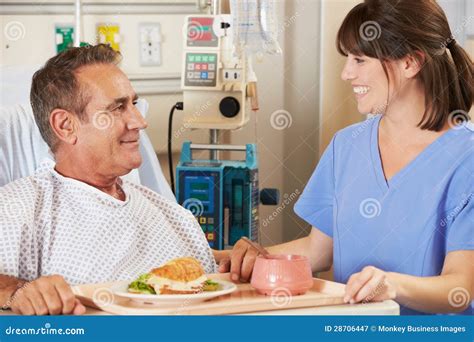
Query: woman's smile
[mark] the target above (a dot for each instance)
(360, 91)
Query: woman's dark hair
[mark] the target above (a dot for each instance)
(392, 29)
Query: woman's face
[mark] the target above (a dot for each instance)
(369, 83)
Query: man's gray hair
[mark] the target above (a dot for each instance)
(55, 85)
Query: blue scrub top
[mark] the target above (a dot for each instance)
(407, 224)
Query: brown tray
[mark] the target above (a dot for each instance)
(244, 300)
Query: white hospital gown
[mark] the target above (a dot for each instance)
(50, 224)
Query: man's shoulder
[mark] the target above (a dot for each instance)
(17, 201)
(28, 186)
(17, 186)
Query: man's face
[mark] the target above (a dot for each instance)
(109, 138)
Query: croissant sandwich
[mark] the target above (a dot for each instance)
(177, 276)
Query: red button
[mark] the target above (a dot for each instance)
(206, 36)
(204, 66)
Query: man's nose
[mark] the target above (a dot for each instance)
(136, 120)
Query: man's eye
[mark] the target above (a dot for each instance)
(135, 102)
(120, 107)
(359, 60)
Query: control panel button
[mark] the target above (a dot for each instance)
(210, 236)
(204, 67)
(229, 107)
(210, 220)
(202, 220)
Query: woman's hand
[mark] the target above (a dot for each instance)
(369, 285)
(317, 246)
(239, 262)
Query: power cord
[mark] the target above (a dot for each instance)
(179, 106)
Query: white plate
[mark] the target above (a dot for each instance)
(120, 290)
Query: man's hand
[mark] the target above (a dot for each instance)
(369, 285)
(46, 295)
(240, 263)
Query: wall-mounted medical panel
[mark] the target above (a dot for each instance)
(148, 34)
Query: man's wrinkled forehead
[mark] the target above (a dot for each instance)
(104, 83)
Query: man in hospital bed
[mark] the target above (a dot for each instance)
(76, 221)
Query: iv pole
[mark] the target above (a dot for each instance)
(214, 133)
(77, 23)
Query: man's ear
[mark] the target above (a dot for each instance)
(64, 125)
(412, 64)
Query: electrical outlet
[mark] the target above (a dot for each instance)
(150, 44)
(109, 34)
(232, 75)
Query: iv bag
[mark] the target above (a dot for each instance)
(255, 26)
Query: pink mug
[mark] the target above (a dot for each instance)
(277, 271)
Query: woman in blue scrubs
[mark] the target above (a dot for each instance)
(391, 201)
